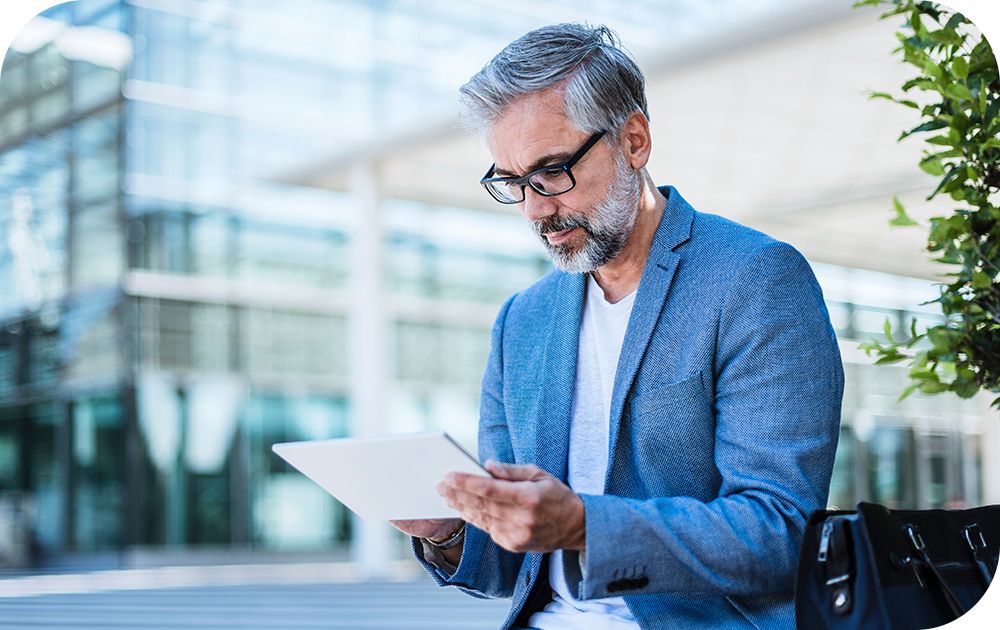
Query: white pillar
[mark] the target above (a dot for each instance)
(368, 350)
(990, 450)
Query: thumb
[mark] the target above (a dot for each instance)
(514, 472)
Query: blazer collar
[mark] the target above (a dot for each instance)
(558, 376)
(661, 264)
(675, 224)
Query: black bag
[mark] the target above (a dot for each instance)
(894, 569)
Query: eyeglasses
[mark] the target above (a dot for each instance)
(551, 180)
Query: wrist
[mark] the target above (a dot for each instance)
(449, 540)
(577, 536)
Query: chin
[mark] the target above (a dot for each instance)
(572, 264)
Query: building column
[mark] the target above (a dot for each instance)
(990, 451)
(368, 351)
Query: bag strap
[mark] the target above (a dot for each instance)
(949, 596)
(977, 544)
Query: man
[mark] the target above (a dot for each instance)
(661, 412)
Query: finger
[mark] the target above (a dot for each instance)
(515, 472)
(481, 520)
(500, 513)
(495, 490)
(474, 502)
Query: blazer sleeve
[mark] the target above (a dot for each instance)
(778, 390)
(486, 569)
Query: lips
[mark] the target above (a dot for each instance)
(555, 238)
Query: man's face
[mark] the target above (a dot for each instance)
(588, 226)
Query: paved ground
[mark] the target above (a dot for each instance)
(238, 597)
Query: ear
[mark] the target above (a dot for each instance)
(635, 140)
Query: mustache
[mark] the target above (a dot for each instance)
(560, 224)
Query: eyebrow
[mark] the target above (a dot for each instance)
(545, 160)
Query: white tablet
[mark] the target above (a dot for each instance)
(386, 478)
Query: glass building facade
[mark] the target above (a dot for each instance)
(168, 311)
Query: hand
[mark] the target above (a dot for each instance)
(523, 509)
(436, 528)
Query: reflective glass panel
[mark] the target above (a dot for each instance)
(98, 472)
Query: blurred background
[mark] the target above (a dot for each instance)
(230, 223)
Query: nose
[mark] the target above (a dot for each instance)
(537, 207)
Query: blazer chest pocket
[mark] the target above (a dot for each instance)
(687, 393)
(671, 437)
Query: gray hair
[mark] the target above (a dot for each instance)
(601, 85)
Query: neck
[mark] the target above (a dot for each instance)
(621, 276)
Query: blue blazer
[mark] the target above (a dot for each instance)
(725, 417)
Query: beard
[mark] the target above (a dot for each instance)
(607, 230)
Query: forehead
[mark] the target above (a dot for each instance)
(533, 126)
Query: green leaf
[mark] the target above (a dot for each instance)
(981, 280)
(955, 20)
(948, 179)
(960, 68)
(933, 387)
(951, 153)
(900, 220)
(923, 83)
(958, 91)
(940, 140)
(933, 70)
(932, 166)
(888, 329)
(906, 392)
(899, 9)
(930, 125)
(965, 389)
(917, 25)
(942, 337)
(891, 358)
(945, 36)
(948, 369)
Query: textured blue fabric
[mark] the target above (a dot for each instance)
(725, 420)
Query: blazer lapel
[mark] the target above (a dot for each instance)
(554, 414)
(661, 265)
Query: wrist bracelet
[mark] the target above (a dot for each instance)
(452, 541)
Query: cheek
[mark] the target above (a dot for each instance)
(577, 203)
(595, 180)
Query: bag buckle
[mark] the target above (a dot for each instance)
(915, 537)
(918, 544)
(974, 531)
(838, 579)
(824, 541)
(834, 557)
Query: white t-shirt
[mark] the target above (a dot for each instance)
(601, 335)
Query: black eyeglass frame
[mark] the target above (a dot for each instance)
(525, 180)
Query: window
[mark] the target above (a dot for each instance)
(890, 467)
(96, 164)
(98, 250)
(289, 511)
(98, 479)
(842, 491)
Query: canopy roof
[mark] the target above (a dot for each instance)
(767, 123)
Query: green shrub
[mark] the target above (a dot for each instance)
(960, 127)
